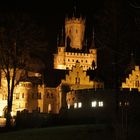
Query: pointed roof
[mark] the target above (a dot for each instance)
(86, 45)
(57, 40)
(62, 38)
(74, 9)
(92, 41)
(76, 13)
(131, 65)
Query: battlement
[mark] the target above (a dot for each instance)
(78, 54)
(75, 20)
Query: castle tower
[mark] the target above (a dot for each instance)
(59, 58)
(74, 31)
(71, 49)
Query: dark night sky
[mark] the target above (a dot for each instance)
(99, 13)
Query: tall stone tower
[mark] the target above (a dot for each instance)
(74, 31)
(71, 47)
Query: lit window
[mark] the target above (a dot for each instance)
(126, 103)
(120, 103)
(75, 105)
(79, 105)
(68, 106)
(100, 104)
(49, 108)
(93, 104)
(17, 95)
(22, 95)
(1, 113)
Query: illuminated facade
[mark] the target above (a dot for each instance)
(133, 80)
(33, 95)
(71, 50)
(78, 79)
(30, 94)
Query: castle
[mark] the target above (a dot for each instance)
(31, 94)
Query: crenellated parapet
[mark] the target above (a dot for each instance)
(78, 54)
(72, 20)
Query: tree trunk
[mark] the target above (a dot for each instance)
(9, 103)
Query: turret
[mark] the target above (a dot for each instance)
(93, 51)
(74, 31)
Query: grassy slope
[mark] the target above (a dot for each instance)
(74, 132)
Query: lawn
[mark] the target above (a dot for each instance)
(71, 132)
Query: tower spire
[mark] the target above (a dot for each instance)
(75, 9)
(62, 38)
(131, 64)
(92, 42)
(57, 39)
(132, 60)
(86, 45)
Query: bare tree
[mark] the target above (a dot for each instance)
(17, 36)
(10, 59)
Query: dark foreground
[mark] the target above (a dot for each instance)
(74, 132)
(70, 132)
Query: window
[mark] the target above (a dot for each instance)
(22, 95)
(93, 104)
(49, 108)
(38, 109)
(51, 95)
(1, 113)
(75, 105)
(100, 104)
(126, 103)
(68, 106)
(79, 105)
(137, 83)
(120, 103)
(17, 95)
(77, 79)
(39, 95)
(59, 49)
(47, 95)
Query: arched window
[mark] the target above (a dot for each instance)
(49, 108)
